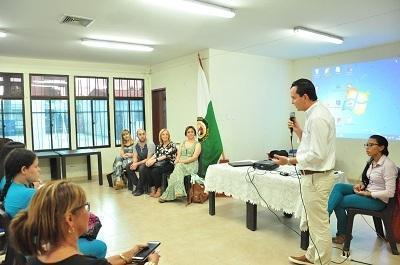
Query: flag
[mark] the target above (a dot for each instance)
(207, 128)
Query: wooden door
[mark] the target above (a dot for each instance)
(159, 110)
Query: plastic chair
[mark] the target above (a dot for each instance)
(386, 215)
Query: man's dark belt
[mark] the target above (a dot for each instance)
(310, 172)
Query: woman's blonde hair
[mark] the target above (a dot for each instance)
(161, 132)
(42, 226)
(125, 131)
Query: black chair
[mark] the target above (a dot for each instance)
(12, 256)
(164, 182)
(386, 215)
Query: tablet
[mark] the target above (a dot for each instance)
(144, 253)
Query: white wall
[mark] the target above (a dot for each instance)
(350, 153)
(179, 78)
(250, 97)
(251, 100)
(76, 166)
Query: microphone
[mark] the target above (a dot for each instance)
(292, 117)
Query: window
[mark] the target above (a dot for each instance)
(91, 104)
(129, 106)
(50, 112)
(12, 122)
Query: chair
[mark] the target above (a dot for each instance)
(12, 256)
(164, 182)
(386, 215)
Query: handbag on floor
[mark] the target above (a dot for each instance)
(197, 194)
(119, 183)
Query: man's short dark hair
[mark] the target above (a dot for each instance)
(305, 86)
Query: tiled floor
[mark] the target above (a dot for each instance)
(190, 236)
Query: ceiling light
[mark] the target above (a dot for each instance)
(318, 35)
(117, 45)
(3, 34)
(198, 7)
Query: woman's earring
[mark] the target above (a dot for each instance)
(71, 230)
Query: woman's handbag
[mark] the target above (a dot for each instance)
(94, 226)
(197, 194)
(161, 163)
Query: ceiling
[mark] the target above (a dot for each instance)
(260, 27)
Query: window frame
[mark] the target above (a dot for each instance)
(50, 98)
(91, 99)
(133, 134)
(14, 98)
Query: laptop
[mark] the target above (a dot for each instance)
(245, 163)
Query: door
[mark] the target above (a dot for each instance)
(159, 110)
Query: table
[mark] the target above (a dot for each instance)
(54, 158)
(279, 192)
(82, 152)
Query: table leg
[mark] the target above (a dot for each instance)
(100, 168)
(89, 167)
(55, 170)
(211, 202)
(64, 167)
(304, 239)
(251, 216)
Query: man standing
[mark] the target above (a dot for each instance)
(143, 150)
(315, 160)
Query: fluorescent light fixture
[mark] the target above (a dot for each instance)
(117, 45)
(198, 7)
(3, 34)
(318, 35)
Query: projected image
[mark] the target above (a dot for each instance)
(363, 97)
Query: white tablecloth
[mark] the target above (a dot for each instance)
(280, 192)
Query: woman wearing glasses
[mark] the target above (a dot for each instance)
(372, 193)
(48, 231)
(21, 169)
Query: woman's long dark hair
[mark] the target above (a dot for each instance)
(6, 146)
(382, 141)
(15, 161)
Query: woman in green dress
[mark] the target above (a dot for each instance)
(186, 163)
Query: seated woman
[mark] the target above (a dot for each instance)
(162, 162)
(186, 163)
(373, 193)
(123, 159)
(49, 230)
(22, 169)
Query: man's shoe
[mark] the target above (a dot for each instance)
(339, 239)
(300, 260)
(138, 193)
